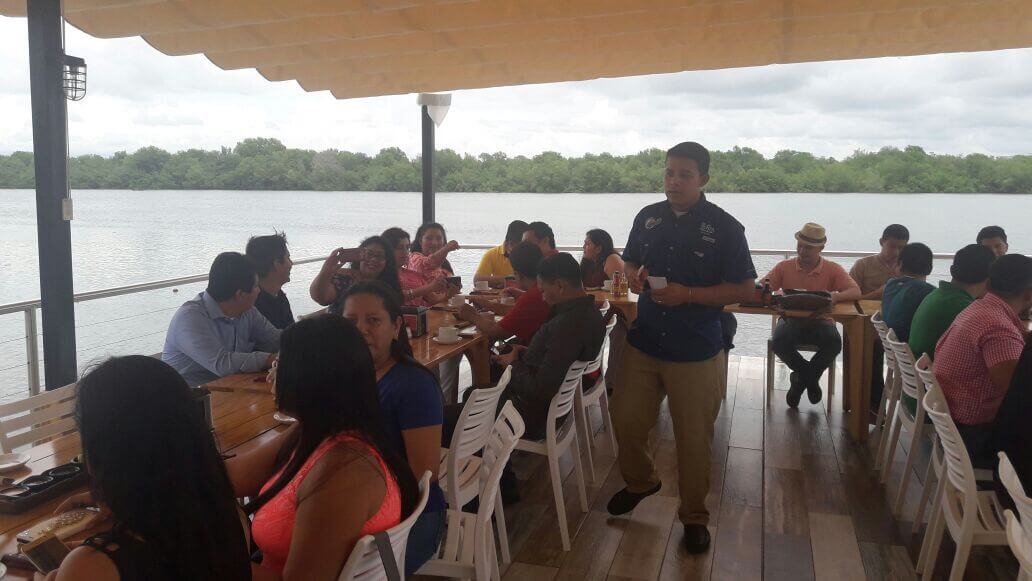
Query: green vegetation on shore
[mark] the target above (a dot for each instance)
(266, 164)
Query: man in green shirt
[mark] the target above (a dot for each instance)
(970, 271)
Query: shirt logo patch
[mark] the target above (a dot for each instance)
(710, 240)
(707, 229)
(652, 223)
(700, 254)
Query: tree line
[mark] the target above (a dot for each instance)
(266, 164)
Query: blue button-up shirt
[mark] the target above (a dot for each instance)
(203, 344)
(704, 247)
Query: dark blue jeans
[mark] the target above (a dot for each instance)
(790, 333)
(424, 538)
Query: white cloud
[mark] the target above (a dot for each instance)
(956, 103)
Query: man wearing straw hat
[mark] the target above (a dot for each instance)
(695, 259)
(809, 271)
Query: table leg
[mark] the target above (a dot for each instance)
(857, 377)
(480, 363)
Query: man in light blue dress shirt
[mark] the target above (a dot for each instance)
(219, 332)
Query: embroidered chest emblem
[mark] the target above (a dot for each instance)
(652, 223)
(706, 229)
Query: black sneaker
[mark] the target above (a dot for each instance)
(795, 391)
(624, 501)
(696, 539)
(813, 391)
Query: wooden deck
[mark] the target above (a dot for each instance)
(792, 497)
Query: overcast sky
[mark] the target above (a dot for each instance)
(959, 103)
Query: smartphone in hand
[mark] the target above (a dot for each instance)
(352, 254)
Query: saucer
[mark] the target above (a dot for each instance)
(439, 341)
(283, 418)
(13, 461)
(468, 332)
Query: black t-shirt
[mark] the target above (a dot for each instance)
(275, 308)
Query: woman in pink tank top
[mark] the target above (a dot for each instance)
(331, 478)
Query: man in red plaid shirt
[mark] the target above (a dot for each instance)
(976, 357)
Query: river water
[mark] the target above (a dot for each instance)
(125, 237)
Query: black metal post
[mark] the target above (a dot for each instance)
(428, 166)
(50, 148)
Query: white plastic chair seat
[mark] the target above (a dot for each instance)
(455, 558)
(564, 436)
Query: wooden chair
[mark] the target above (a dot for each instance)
(560, 439)
(461, 468)
(595, 395)
(365, 564)
(971, 517)
(468, 550)
(1020, 545)
(890, 394)
(937, 461)
(35, 419)
(914, 423)
(803, 349)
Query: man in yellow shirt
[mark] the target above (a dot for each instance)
(494, 266)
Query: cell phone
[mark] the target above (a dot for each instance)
(455, 281)
(46, 553)
(352, 254)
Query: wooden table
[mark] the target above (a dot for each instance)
(628, 303)
(241, 421)
(855, 318)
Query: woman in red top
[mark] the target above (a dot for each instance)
(416, 288)
(332, 478)
(600, 260)
(430, 250)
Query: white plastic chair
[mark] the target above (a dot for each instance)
(460, 473)
(972, 517)
(802, 349)
(1020, 545)
(31, 420)
(560, 439)
(364, 563)
(604, 309)
(890, 394)
(595, 395)
(469, 550)
(936, 462)
(1017, 492)
(911, 385)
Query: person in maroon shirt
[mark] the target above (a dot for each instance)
(522, 319)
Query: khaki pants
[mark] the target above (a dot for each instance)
(694, 392)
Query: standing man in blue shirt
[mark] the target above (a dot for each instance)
(219, 332)
(675, 347)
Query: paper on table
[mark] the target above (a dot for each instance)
(657, 282)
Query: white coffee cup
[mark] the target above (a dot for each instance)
(508, 300)
(607, 284)
(481, 285)
(457, 301)
(447, 334)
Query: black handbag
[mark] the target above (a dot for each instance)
(804, 300)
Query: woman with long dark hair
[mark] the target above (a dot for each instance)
(155, 470)
(377, 263)
(430, 250)
(410, 402)
(416, 288)
(600, 259)
(333, 477)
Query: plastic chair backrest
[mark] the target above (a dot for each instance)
(883, 335)
(507, 431)
(960, 473)
(1010, 480)
(596, 363)
(910, 383)
(471, 432)
(364, 563)
(28, 421)
(604, 309)
(562, 402)
(1019, 541)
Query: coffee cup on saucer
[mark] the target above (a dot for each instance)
(482, 285)
(457, 301)
(448, 334)
(607, 284)
(508, 300)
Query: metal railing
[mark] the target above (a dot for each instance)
(29, 308)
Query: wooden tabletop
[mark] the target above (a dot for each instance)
(623, 300)
(241, 421)
(840, 310)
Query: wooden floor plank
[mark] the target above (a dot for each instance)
(678, 564)
(836, 554)
(525, 572)
(592, 553)
(787, 557)
(743, 477)
(781, 447)
(644, 542)
(738, 545)
(784, 502)
(747, 428)
(749, 394)
(822, 485)
(889, 562)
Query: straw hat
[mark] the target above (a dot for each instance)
(811, 235)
